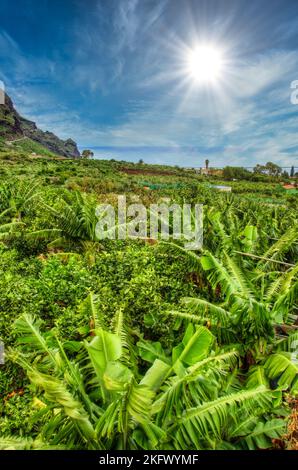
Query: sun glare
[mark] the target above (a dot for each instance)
(205, 63)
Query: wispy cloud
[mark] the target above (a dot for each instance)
(114, 81)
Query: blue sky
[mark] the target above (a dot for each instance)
(111, 74)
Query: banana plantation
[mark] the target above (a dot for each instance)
(141, 344)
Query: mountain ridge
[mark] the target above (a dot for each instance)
(13, 127)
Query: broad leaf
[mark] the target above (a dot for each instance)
(104, 348)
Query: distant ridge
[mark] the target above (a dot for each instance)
(13, 127)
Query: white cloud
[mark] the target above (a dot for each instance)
(248, 115)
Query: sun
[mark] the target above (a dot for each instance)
(205, 63)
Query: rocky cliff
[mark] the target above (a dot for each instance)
(14, 126)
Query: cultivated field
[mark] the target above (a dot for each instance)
(129, 344)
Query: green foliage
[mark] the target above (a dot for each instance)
(30, 146)
(246, 313)
(120, 344)
(92, 400)
(270, 168)
(231, 172)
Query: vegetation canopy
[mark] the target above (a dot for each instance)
(138, 344)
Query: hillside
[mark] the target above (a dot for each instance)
(14, 127)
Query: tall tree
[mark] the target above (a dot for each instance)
(230, 172)
(87, 154)
(207, 163)
(273, 169)
(292, 171)
(259, 169)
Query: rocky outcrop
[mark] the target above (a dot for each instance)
(10, 121)
(14, 126)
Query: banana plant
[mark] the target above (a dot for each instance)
(246, 307)
(17, 199)
(91, 398)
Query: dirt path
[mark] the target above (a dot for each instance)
(10, 142)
